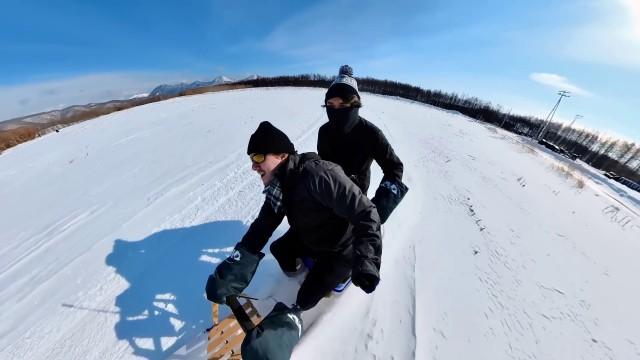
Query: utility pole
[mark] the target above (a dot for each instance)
(547, 121)
(570, 127)
(504, 118)
(578, 116)
(570, 133)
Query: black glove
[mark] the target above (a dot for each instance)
(365, 275)
(233, 275)
(388, 196)
(275, 337)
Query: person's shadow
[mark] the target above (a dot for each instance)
(164, 305)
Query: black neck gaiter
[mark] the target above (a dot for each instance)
(343, 120)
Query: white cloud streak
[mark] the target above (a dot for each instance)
(614, 39)
(633, 9)
(331, 30)
(559, 82)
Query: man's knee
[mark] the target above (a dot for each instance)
(276, 247)
(306, 300)
(320, 281)
(284, 252)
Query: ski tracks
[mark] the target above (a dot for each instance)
(236, 193)
(43, 240)
(393, 308)
(395, 301)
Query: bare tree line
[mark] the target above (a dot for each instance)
(602, 152)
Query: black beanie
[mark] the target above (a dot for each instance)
(343, 91)
(269, 140)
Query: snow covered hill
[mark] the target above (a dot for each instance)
(175, 89)
(109, 229)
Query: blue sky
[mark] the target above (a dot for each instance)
(513, 53)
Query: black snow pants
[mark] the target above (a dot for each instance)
(329, 269)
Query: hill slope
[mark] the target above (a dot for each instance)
(111, 227)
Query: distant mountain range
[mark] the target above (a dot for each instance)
(175, 89)
(43, 119)
(17, 130)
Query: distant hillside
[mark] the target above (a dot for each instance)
(176, 89)
(25, 128)
(602, 152)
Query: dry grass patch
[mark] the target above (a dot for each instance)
(213, 88)
(570, 174)
(13, 137)
(524, 148)
(79, 113)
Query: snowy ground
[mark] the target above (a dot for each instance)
(110, 228)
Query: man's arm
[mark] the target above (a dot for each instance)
(261, 229)
(333, 189)
(391, 189)
(234, 274)
(386, 158)
(323, 145)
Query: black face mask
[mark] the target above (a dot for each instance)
(343, 120)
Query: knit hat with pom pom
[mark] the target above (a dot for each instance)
(344, 86)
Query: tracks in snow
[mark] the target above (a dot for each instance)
(229, 189)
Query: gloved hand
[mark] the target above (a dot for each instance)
(275, 337)
(387, 197)
(365, 275)
(233, 275)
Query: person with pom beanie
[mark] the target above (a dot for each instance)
(354, 143)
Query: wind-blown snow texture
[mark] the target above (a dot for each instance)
(110, 228)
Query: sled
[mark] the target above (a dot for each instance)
(225, 337)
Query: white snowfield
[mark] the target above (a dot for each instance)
(110, 228)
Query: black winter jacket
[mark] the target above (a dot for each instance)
(354, 147)
(320, 202)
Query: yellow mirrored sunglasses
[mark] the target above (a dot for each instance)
(257, 158)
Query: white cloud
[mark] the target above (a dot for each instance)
(25, 99)
(613, 39)
(633, 9)
(559, 82)
(331, 31)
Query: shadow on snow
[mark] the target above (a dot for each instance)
(165, 306)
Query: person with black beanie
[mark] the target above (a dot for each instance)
(268, 147)
(321, 203)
